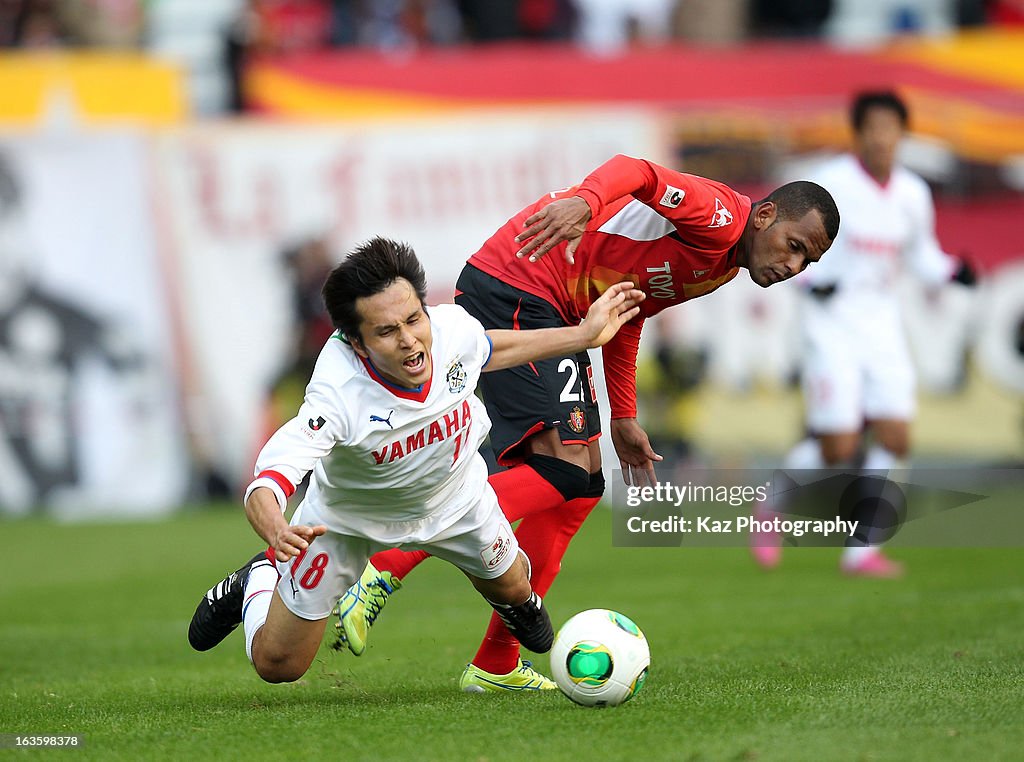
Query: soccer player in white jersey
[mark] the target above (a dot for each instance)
(390, 428)
(856, 368)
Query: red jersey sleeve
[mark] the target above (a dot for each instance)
(702, 210)
(619, 357)
(618, 177)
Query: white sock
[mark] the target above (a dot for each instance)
(853, 555)
(259, 591)
(806, 455)
(878, 458)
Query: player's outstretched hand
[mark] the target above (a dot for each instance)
(616, 307)
(561, 220)
(636, 457)
(290, 541)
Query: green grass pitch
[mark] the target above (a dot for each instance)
(795, 664)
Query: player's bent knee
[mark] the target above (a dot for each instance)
(570, 480)
(280, 665)
(282, 671)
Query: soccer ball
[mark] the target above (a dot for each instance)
(600, 658)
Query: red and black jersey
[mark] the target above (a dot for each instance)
(671, 233)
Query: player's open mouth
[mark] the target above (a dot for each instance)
(416, 363)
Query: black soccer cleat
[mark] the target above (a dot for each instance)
(220, 610)
(529, 623)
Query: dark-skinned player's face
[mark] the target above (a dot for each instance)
(782, 248)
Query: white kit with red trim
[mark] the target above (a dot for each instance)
(389, 464)
(856, 364)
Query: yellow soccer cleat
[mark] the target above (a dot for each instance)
(523, 678)
(359, 608)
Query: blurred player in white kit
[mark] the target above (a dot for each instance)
(390, 428)
(857, 373)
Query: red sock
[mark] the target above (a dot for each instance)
(397, 561)
(570, 518)
(499, 651)
(544, 537)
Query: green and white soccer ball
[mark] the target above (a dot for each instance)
(600, 658)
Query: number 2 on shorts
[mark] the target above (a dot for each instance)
(570, 391)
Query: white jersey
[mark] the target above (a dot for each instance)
(883, 228)
(856, 364)
(388, 463)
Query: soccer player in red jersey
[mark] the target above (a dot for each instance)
(677, 237)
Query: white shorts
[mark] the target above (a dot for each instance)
(480, 542)
(856, 367)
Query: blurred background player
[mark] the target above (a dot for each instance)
(677, 237)
(857, 373)
(393, 447)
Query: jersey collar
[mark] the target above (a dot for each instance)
(419, 394)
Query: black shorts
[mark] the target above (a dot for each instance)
(554, 393)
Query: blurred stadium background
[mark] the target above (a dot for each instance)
(175, 174)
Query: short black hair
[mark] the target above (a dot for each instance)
(794, 200)
(884, 99)
(368, 269)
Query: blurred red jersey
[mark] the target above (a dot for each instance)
(673, 234)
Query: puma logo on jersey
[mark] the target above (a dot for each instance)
(378, 419)
(721, 216)
(672, 197)
(700, 273)
(451, 424)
